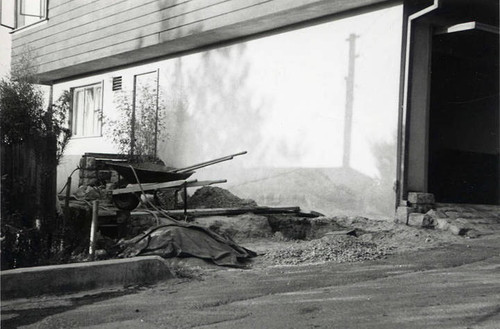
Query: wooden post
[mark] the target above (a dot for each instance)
(66, 203)
(185, 196)
(93, 228)
(67, 212)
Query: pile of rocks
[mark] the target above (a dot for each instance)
(421, 211)
(331, 248)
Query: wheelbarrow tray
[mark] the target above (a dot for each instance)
(148, 172)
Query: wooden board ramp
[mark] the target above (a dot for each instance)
(147, 187)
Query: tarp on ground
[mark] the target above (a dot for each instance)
(179, 239)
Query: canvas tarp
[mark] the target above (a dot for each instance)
(180, 239)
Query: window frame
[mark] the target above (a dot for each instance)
(73, 110)
(44, 9)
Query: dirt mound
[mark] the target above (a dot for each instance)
(238, 227)
(216, 197)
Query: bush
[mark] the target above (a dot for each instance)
(148, 127)
(22, 112)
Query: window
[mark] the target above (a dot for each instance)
(87, 111)
(30, 11)
(16, 14)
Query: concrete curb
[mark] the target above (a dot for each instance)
(69, 278)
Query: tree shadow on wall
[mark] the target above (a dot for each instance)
(210, 101)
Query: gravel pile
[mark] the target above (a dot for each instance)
(339, 249)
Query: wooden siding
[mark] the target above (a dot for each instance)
(85, 36)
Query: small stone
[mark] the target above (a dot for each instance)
(420, 198)
(436, 214)
(472, 234)
(457, 230)
(420, 220)
(90, 163)
(101, 253)
(442, 224)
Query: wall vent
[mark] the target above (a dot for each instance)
(117, 83)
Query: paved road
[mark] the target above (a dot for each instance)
(450, 287)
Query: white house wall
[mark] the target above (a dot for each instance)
(282, 98)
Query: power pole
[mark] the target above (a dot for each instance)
(349, 100)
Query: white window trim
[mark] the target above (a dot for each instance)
(30, 26)
(42, 19)
(72, 90)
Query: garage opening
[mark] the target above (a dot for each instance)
(464, 138)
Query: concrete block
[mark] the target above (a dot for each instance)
(420, 198)
(420, 220)
(69, 278)
(402, 214)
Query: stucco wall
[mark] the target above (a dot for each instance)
(282, 98)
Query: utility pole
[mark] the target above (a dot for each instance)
(349, 100)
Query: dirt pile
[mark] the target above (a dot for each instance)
(238, 227)
(216, 197)
(331, 248)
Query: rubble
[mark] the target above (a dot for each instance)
(331, 248)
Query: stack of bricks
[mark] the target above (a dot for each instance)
(414, 213)
(95, 173)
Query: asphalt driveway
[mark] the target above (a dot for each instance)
(452, 286)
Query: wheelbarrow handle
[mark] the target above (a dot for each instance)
(208, 163)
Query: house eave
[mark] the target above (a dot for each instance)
(172, 43)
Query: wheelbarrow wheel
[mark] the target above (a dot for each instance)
(127, 201)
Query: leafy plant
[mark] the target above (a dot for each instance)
(59, 122)
(147, 128)
(22, 112)
(21, 104)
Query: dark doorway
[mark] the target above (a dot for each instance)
(464, 137)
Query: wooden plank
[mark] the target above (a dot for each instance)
(175, 184)
(149, 187)
(226, 211)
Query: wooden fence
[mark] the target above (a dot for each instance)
(29, 182)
